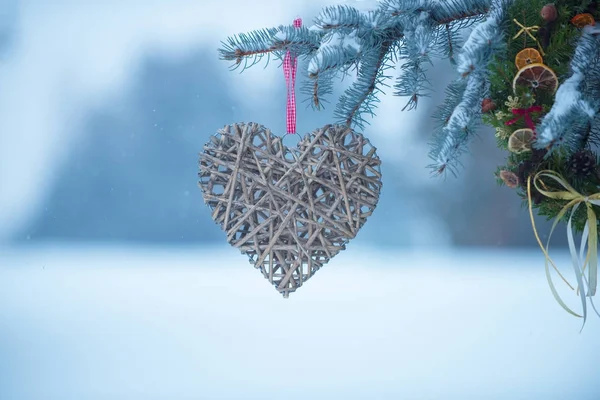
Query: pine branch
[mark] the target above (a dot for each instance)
(399, 8)
(452, 141)
(317, 88)
(442, 12)
(360, 97)
(419, 36)
(594, 134)
(257, 44)
(566, 124)
(454, 95)
(343, 37)
(483, 42)
(339, 17)
(448, 41)
(460, 10)
(337, 52)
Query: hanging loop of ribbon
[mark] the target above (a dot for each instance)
(290, 65)
(525, 113)
(589, 238)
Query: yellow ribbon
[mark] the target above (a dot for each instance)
(589, 238)
(529, 30)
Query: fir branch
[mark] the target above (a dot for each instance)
(448, 41)
(443, 12)
(341, 33)
(443, 114)
(448, 36)
(594, 133)
(483, 42)
(254, 44)
(573, 109)
(400, 8)
(454, 93)
(461, 126)
(360, 97)
(417, 30)
(317, 88)
(337, 18)
(257, 44)
(412, 83)
(337, 51)
(460, 10)
(419, 36)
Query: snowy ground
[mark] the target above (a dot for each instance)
(142, 323)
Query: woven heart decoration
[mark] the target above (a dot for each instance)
(289, 209)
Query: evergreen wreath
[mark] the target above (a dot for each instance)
(529, 69)
(544, 100)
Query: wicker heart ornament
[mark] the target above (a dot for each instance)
(289, 209)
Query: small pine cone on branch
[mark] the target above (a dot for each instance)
(526, 169)
(582, 164)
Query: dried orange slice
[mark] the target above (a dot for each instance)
(581, 20)
(520, 140)
(536, 76)
(528, 56)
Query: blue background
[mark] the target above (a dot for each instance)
(116, 284)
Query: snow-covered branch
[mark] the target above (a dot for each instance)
(342, 37)
(473, 60)
(577, 99)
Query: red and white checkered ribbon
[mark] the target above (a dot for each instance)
(290, 64)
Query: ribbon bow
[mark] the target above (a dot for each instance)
(528, 30)
(589, 238)
(524, 113)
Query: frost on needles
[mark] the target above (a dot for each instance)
(410, 33)
(577, 99)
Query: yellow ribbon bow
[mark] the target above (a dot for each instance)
(528, 30)
(589, 238)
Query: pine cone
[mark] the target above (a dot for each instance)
(543, 35)
(509, 178)
(582, 164)
(525, 169)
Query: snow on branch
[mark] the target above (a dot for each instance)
(477, 52)
(576, 103)
(419, 37)
(336, 50)
(343, 37)
(361, 96)
(410, 32)
(459, 10)
(338, 17)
